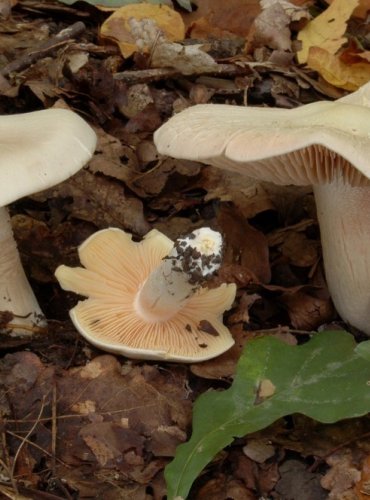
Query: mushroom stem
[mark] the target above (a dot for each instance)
(16, 294)
(193, 260)
(344, 217)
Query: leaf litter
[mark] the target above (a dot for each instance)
(76, 423)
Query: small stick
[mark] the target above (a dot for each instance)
(24, 440)
(45, 49)
(154, 74)
(54, 428)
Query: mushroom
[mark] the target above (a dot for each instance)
(37, 151)
(145, 299)
(324, 144)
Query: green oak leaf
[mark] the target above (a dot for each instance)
(363, 349)
(325, 379)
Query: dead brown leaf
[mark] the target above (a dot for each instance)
(217, 18)
(224, 487)
(332, 69)
(342, 475)
(113, 158)
(99, 200)
(300, 250)
(244, 245)
(272, 28)
(307, 311)
(297, 481)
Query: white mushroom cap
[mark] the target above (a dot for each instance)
(115, 270)
(277, 145)
(361, 97)
(41, 149)
(37, 151)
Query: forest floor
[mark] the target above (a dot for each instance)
(76, 422)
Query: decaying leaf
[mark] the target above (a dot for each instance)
(342, 475)
(112, 158)
(308, 311)
(187, 59)
(137, 28)
(272, 27)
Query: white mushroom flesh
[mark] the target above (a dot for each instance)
(193, 259)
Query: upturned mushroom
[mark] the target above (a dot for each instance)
(37, 151)
(145, 299)
(326, 144)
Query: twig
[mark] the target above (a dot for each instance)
(34, 445)
(5, 464)
(27, 436)
(45, 49)
(153, 74)
(9, 493)
(146, 75)
(319, 460)
(54, 428)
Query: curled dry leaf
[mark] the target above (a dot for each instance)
(333, 70)
(307, 312)
(272, 27)
(187, 59)
(138, 97)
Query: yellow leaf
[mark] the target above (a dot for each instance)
(326, 30)
(361, 11)
(137, 27)
(336, 72)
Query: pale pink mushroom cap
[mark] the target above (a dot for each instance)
(114, 270)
